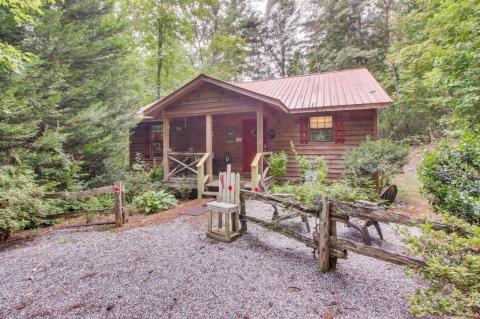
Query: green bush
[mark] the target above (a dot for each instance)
(19, 207)
(373, 163)
(319, 168)
(451, 177)
(154, 201)
(278, 164)
(452, 270)
(309, 194)
(141, 179)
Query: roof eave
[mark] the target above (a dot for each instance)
(199, 80)
(342, 108)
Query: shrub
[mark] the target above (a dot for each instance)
(452, 270)
(309, 194)
(19, 207)
(319, 168)
(141, 179)
(154, 201)
(373, 163)
(278, 164)
(451, 177)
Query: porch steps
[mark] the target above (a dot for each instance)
(210, 194)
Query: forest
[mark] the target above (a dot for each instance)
(74, 73)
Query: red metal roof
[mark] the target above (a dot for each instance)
(348, 88)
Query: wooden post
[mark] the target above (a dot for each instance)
(200, 179)
(166, 146)
(243, 214)
(124, 205)
(117, 189)
(324, 237)
(333, 233)
(260, 140)
(209, 144)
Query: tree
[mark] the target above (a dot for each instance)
(280, 34)
(13, 15)
(160, 28)
(74, 105)
(437, 50)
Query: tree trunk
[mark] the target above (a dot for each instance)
(159, 58)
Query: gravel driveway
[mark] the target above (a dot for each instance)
(172, 270)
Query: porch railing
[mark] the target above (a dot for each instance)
(260, 171)
(183, 164)
(202, 179)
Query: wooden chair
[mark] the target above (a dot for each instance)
(226, 227)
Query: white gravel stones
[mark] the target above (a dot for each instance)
(173, 271)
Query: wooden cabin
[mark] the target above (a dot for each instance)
(208, 123)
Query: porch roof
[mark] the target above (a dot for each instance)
(328, 91)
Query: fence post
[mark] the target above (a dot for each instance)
(124, 205)
(117, 191)
(324, 237)
(243, 214)
(333, 233)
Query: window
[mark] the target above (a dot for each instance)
(321, 129)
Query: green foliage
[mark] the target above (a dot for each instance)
(373, 163)
(154, 201)
(278, 164)
(309, 194)
(140, 179)
(451, 177)
(437, 55)
(19, 208)
(452, 270)
(319, 167)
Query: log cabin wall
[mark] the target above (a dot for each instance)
(230, 109)
(358, 125)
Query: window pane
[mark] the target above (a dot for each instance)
(321, 135)
(317, 122)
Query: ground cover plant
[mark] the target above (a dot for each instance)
(154, 201)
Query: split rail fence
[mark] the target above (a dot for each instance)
(325, 239)
(120, 210)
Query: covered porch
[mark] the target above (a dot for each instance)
(197, 148)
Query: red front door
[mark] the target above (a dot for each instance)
(249, 141)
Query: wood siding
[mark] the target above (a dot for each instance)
(229, 109)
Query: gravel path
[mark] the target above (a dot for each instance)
(172, 270)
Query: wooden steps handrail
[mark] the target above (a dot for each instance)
(203, 159)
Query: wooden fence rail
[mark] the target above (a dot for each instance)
(325, 236)
(120, 210)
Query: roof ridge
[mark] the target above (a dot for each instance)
(299, 76)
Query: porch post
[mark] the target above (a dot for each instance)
(166, 146)
(260, 131)
(260, 139)
(209, 145)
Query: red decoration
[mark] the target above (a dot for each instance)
(116, 189)
(339, 128)
(304, 130)
(230, 187)
(257, 189)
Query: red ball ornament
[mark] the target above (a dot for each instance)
(257, 189)
(116, 189)
(230, 187)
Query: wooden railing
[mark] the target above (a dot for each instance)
(325, 239)
(260, 169)
(120, 209)
(202, 179)
(183, 164)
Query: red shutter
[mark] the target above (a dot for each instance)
(148, 142)
(339, 128)
(304, 130)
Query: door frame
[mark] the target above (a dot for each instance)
(246, 165)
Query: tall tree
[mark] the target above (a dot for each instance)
(348, 33)
(159, 28)
(76, 101)
(280, 32)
